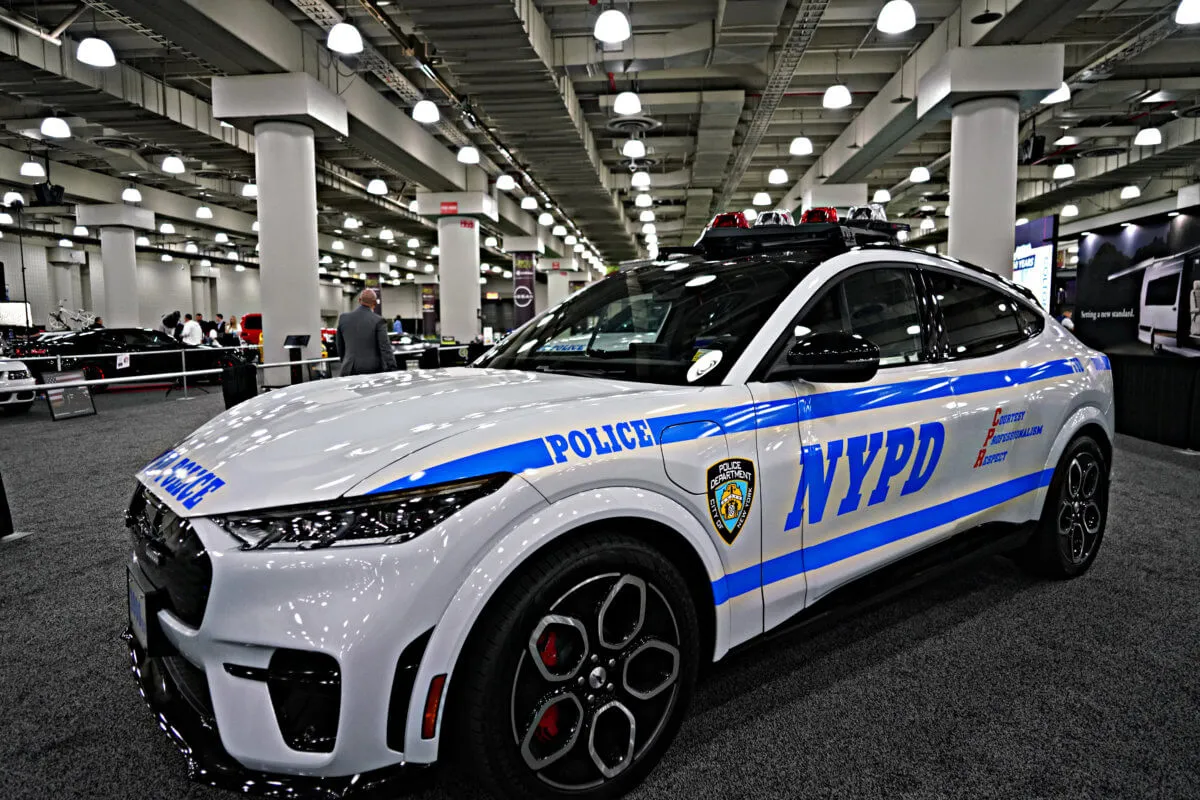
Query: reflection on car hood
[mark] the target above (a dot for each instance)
(317, 440)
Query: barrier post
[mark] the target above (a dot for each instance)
(6, 523)
(58, 363)
(183, 360)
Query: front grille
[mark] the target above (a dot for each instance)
(171, 556)
(192, 684)
(16, 374)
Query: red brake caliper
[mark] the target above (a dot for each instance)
(547, 727)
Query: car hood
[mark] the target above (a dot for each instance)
(316, 441)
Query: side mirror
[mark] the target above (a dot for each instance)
(834, 357)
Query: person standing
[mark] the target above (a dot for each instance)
(397, 325)
(192, 334)
(362, 340)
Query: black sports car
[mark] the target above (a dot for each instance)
(121, 352)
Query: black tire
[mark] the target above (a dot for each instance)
(1071, 527)
(502, 700)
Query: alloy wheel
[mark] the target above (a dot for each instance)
(1080, 515)
(597, 680)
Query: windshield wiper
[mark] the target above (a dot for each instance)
(579, 373)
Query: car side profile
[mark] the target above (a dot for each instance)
(522, 565)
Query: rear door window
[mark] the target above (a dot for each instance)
(979, 320)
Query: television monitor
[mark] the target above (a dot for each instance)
(1033, 259)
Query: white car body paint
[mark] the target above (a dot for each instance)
(16, 391)
(648, 448)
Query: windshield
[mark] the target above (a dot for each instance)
(679, 323)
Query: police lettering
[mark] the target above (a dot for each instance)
(895, 450)
(182, 478)
(600, 441)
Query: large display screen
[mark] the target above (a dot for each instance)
(1033, 260)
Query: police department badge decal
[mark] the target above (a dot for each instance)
(730, 495)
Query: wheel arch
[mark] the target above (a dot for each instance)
(653, 518)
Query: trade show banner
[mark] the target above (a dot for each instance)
(1033, 260)
(523, 277)
(429, 296)
(1138, 287)
(74, 401)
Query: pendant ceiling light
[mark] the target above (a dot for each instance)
(612, 27)
(173, 165)
(529, 203)
(649, 227)
(1070, 210)
(13, 199)
(391, 259)
(646, 216)
(468, 155)
(131, 194)
(643, 201)
(777, 176)
(411, 263)
(351, 223)
(368, 252)
(801, 146)
(250, 190)
(506, 183)
(204, 212)
(412, 244)
(1188, 12)
(1064, 172)
(33, 169)
(762, 199)
(414, 205)
(640, 179)
(750, 214)
(191, 248)
(254, 226)
(897, 16)
(577, 248)
(1060, 95)
(386, 235)
(545, 219)
(79, 230)
(338, 244)
(1131, 192)
(927, 224)
(571, 239)
(1022, 221)
(56, 128)
(429, 267)
(167, 257)
(426, 112)
(344, 38)
(634, 148)
(559, 230)
(95, 53)
(882, 196)
(836, 96)
(1148, 137)
(492, 241)
(627, 104)
(142, 241)
(376, 186)
(166, 227)
(919, 175)
(435, 251)
(221, 238)
(987, 16)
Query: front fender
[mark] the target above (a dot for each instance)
(514, 549)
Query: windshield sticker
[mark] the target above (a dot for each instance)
(730, 495)
(562, 347)
(704, 365)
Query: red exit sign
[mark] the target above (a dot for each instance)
(449, 207)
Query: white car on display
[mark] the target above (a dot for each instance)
(523, 564)
(18, 387)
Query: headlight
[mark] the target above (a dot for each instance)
(382, 519)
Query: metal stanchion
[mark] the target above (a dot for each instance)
(183, 360)
(6, 523)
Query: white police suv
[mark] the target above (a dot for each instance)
(523, 564)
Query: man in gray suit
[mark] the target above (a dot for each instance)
(362, 339)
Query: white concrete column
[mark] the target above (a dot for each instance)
(558, 287)
(983, 181)
(285, 168)
(458, 273)
(119, 257)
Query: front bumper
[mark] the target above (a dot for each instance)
(15, 392)
(177, 694)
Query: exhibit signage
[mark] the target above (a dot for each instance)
(73, 401)
(429, 296)
(523, 278)
(1033, 260)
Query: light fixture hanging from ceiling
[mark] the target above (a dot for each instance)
(1131, 192)
(56, 128)
(506, 183)
(204, 212)
(491, 241)
(32, 169)
(1060, 95)
(173, 165)
(467, 154)
(131, 194)
(223, 238)
(627, 104)
(386, 235)
(634, 148)
(640, 179)
(800, 146)
(761, 199)
(142, 241)
(14, 199)
(426, 112)
(987, 16)
(412, 244)
(836, 96)
(777, 176)
(254, 226)
(1148, 137)
(571, 239)
(646, 216)
(414, 205)
(376, 186)
(80, 230)
(919, 175)
(612, 27)
(882, 196)
(1188, 12)
(750, 214)
(897, 16)
(927, 224)
(1063, 172)
(545, 219)
(643, 201)
(343, 37)
(1070, 210)
(250, 190)
(166, 228)
(649, 227)
(94, 51)
(559, 230)
(529, 203)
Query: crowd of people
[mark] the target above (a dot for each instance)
(194, 329)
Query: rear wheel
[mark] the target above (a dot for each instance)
(94, 373)
(1071, 529)
(578, 675)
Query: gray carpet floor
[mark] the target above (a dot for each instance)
(983, 684)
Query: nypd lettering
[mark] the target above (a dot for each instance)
(993, 438)
(730, 495)
(897, 449)
(600, 441)
(182, 478)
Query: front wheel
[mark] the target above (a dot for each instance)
(578, 675)
(1071, 529)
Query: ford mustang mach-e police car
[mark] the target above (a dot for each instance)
(522, 564)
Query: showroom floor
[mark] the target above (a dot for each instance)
(986, 684)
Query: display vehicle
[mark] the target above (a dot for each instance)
(522, 565)
(17, 387)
